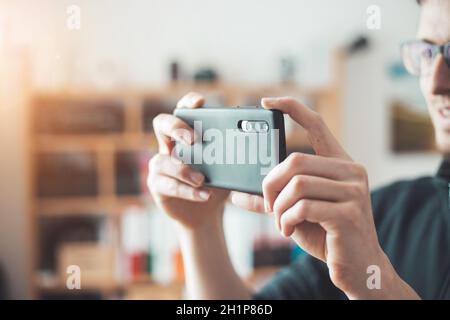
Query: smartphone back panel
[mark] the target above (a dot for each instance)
(236, 147)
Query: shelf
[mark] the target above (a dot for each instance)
(144, 289)
(72, 205)
(152, 291)
(53, 284)
(106, 142)
(57, 206)
(122, 142)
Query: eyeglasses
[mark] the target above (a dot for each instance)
(418, 56)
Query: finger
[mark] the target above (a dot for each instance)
(247, 201)
(191, 100)
(171, 187)
(169, 129)
(305, 187)
(314, 211)
(314, 165)
(310, 187)
(311, 165)
(162, 164)
(320, 137)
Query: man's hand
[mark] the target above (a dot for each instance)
(323, 202)
(176, 187)
(198, 210)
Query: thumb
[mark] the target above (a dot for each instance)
(319, 135)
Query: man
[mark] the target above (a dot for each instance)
(323, 203)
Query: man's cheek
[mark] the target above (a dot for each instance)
(425, 87)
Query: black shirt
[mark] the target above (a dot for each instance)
(413, 225)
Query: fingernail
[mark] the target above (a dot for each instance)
(196, 177)
(204, 194)
(267, 100)
(194, 100)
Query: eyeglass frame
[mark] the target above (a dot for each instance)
(443, 49)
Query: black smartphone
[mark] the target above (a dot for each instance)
(235, 147)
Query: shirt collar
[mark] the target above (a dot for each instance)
(444, 169)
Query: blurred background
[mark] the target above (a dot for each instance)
(81, 81)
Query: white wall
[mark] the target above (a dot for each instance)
(242, 39)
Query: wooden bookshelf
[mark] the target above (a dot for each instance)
(102, 151)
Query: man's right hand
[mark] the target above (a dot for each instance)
(177, 189)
